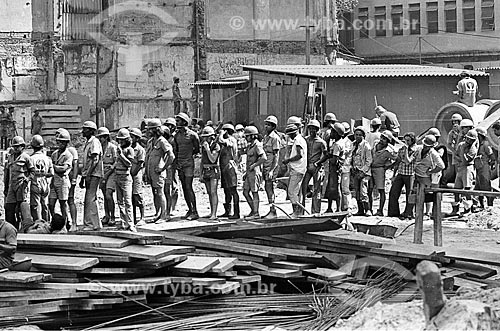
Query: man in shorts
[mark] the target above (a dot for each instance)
(256, 156)
(272, 145)
(108, 183)
(187, 145)
(383, 159)
(173, 193)
(466, 154)
(62, 161)
(136, 173)
(40, 185)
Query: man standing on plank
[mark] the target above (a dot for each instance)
(272, 145)
(256, 156)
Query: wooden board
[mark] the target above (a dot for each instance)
(225, 264)
(298, 226)
(473, 256)
(124, 235)
(326, 274)
(148, 252)
(163, 262)
(69, 263)
(292, 265)
(250, 265)
(225, 288)
(473, 270)
(101, 257)
(22, 277)
(112, 285)
(246, 279)
(64, 240)
(137, 272)
(196, 264)
(277, 273)
(38, 295)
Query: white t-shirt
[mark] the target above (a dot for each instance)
(299, 166)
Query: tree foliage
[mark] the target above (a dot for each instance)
(346, 5)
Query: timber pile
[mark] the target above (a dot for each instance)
(283, 273)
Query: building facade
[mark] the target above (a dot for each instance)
(456, 33)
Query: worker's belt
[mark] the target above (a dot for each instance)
(208, 166)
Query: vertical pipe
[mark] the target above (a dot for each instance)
(308, 34)
(438, 219)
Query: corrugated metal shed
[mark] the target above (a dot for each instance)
(360, 71)
(228, 81)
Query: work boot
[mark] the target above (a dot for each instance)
(455, 211)
(368, 212)
(361, 210)
(227, 210)
(272, 213)
(188, 214)
(295, 213)
(236, 215)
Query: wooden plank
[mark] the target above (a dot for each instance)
(292, 265)
(163, 262)
(277, 273)
(44, 108)
(465, 193)
(124, 235)
(250, 265)
(419, 215)
(21, 277)
(34, 309)
(32, 292)
(59, 262)
(461, 282)
(112, 285)
(246, 279)
(64, 240)
(473, 270)
(438, 220)
(196, 264)
(148, 252)
(473, 256)
(299, 226)
(343, 262)
(225, 263)
(326, 274)
(225, 288)
(49, 295)
(240, 257)
(137, 272)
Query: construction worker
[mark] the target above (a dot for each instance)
(92, 173)
(40, 184)
(159, 157)
(136, 173)
(466, 154)
(62, 160)
(123, 179)
(361, 171)
(210, 172)
(8, 243)
(316, 150)
(496, 131)
(451, 147)
(427, 161)
(373, 136)
(229, 170)
(18, 172)
(176, 94)
(108, 183)
(297, 165)
(383, 157)
(256, 156)
(437, 176)
(345, 169)
(36, 123)
(403, 177)
(187, 145)
(328, 122)
(272, 146)
(483, 163)
(389, 120)
(172, 190)
(336, 156)
(467, 89)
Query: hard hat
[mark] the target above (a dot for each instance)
(18, 141)
(251, 130)
(376, 121)
(456, 117)
(37, 141)
(239, 127)
(360, 128)
(388, 135)
(184, 117)
(154, 123)
(347, 126)
(165, 131)
(63, 135)
(89, 125)
(314, 123)
(429, 140)
(171, 121)
(435, 132)
(209, 123)
(272, 119)
(207, 131)
(291, 128)
(228, 126)
(339, 128)
(123, 134)
(136, 132)
(294, 120)
(482, 132)
(472, 134)
(102, 131)
(466, 123)
(330, 117)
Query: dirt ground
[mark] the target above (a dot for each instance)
(479, 233)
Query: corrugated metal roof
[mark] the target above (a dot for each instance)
(223, 81)
(362, 70)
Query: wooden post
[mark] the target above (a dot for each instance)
(438, 220)
(431, 285)
(419, 214)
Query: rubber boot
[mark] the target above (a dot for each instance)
(295, 211)
(256, 203)
(368, 212)
(272, 213)
(361, 209)
(454, 212)
(227, 210)
(236, 215)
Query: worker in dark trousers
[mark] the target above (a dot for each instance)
(361, 171)
(187, 145)
(451, 147)
(483, 163)
(173, 190)
(18, 173)
(136, 173)
(272, 145)
(228, 168)
(316, 149)
(256, 156)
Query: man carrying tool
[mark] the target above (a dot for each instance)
(62, 160)
(92, 173)
(187, 145)
(8, 243)
(18, 173)
(389, 120)
(256, 156)
(361, 171)
(136, 173)
(316, 149)
(108, 183)
(40, 185)
(297, 165)
(272, 145)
